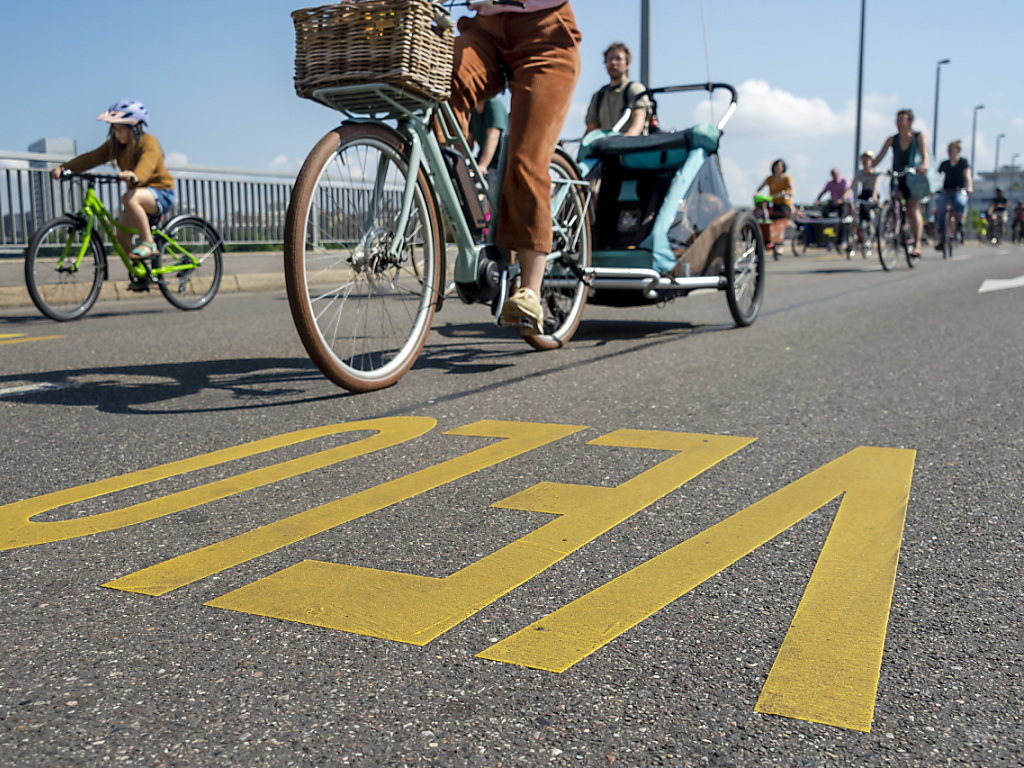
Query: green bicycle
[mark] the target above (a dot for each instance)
(66, 261)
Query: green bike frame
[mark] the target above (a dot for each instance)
(94, 210)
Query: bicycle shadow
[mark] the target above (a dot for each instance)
(140, 389)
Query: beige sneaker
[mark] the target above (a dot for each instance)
(522, 309)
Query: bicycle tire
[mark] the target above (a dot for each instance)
(947, 241)
(867, 229)
(799, 243)
(888, 238)
(192, 288)
(563, 305)
(59, 292)
(362, 315)
(744, 269)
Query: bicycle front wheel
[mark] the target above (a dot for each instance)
(361, 293)
(63, 273)
(947, 242)
(195, 285)
(888, 238)
(563, 294)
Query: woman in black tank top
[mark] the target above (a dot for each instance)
(908, 147)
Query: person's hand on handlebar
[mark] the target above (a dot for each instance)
(128, 177)
(57, 172)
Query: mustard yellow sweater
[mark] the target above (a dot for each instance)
(147, 161)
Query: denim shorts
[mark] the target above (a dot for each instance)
(957, 197)
(164, 199)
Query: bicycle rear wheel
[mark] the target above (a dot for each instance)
(947, 242)
(888, 238)
(363, 312)
(195, 287)
(62, 286)
(563, 294)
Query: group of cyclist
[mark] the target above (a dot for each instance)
(910, 156)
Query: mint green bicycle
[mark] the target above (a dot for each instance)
(66, 261)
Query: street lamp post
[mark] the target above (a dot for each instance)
(974, 171)
(935, 119)
(860, 91)
(645, 42)
(995, 172)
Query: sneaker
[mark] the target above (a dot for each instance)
(522, 309)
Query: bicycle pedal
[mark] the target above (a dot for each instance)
(138, 287)
(515, 322)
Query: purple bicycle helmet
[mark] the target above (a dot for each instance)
(126, 112)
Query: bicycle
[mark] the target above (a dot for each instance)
(365, 257)
(951, 227)
(893, 227)
(865, 227)
(997, 226)
(66, 261)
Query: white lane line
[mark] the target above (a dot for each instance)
(28, 388)
(1001, 285)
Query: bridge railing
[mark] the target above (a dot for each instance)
(246, 207)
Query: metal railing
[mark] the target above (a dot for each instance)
(246, 207)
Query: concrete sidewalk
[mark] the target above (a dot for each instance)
(243, 272)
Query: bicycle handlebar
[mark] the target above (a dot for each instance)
(102, 177)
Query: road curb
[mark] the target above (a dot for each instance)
(116, 290)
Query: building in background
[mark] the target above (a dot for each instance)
(43, 207)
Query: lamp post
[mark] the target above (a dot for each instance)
(645, 42)
(935, 120)
(974, 171)
(860, 91)
(995, 173)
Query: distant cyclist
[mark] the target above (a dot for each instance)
(780, 187)
(957, 186)
(839, 192)
(909, 150)
(138, 155)
(866, 182)
(997, 213)
(1018, 223)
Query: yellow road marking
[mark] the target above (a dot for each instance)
(518, 438)
(17, 338)
(828, 668)
(418, 609)
(18, 530)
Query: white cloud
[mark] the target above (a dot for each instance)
(176, 159)
(282, 163)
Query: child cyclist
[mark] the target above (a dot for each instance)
(138, 155)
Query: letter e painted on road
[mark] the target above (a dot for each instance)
(417, 609)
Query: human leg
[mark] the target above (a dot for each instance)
(542, 52)
(137, 204)
(916, 223)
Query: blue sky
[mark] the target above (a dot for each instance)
(217, 76)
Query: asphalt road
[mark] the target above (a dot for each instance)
(413, 604)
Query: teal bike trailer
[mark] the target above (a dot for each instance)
(663, 223)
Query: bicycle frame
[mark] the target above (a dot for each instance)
(94, 210)
(416, 127)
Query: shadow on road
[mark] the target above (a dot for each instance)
(137, 389)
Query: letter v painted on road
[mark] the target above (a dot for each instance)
(516, 438)
(828, 667)
(17, 529)
(417, 609)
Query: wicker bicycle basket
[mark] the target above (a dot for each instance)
(357, 42)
